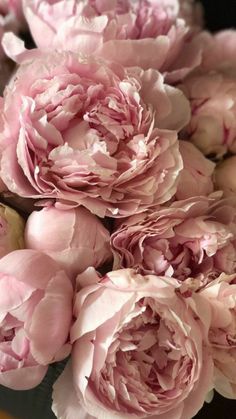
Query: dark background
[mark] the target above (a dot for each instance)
(35, 404)
(220, 14)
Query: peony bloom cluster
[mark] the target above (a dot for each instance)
(117, 206)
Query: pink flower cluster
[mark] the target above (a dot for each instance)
(118, 207)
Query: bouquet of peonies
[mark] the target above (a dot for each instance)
(118, 206)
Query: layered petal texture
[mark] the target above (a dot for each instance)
(147, 33)
(191, 238)
(139, 350)
(221, 294)
(86, 132)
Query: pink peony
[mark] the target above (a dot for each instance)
(219, 51)
(196, 176)
(225, 176)
(11, 230)
(90, 133)
(35, 317)
(221, 294)
(75, 238)
(145, 33)
(212, 127)
(138, 350)
(192, 238)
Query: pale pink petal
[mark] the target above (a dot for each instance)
(21, 263)
(65, 403)
(23, 378)
(55, 311)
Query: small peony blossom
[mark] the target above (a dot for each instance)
(145, 33)
(221, 294)
(196, 176)
(191, 238)
(139, 350)
(89, 133)
(225, 176)
(212, 127)
(11, 230)
(219, 51)
(35, 317)
(75, 238)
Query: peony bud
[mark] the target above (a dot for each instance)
(74, 238)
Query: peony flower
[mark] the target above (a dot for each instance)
(75, 238)
(221, 294)
(196, 176)
(143, 356)
(145, 33)
(86, 132)
(219, 51)
(35, 317)
(191, 238)
(212, 127)
(225, 176)
(11, 230)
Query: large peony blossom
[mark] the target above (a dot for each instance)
(221, 294)
(212, 127)
(196, 177)
(11, 230)
(35, 317)
(147, 33)
(75, 238)
(90, 133)
(192, 238)
(139, 350)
